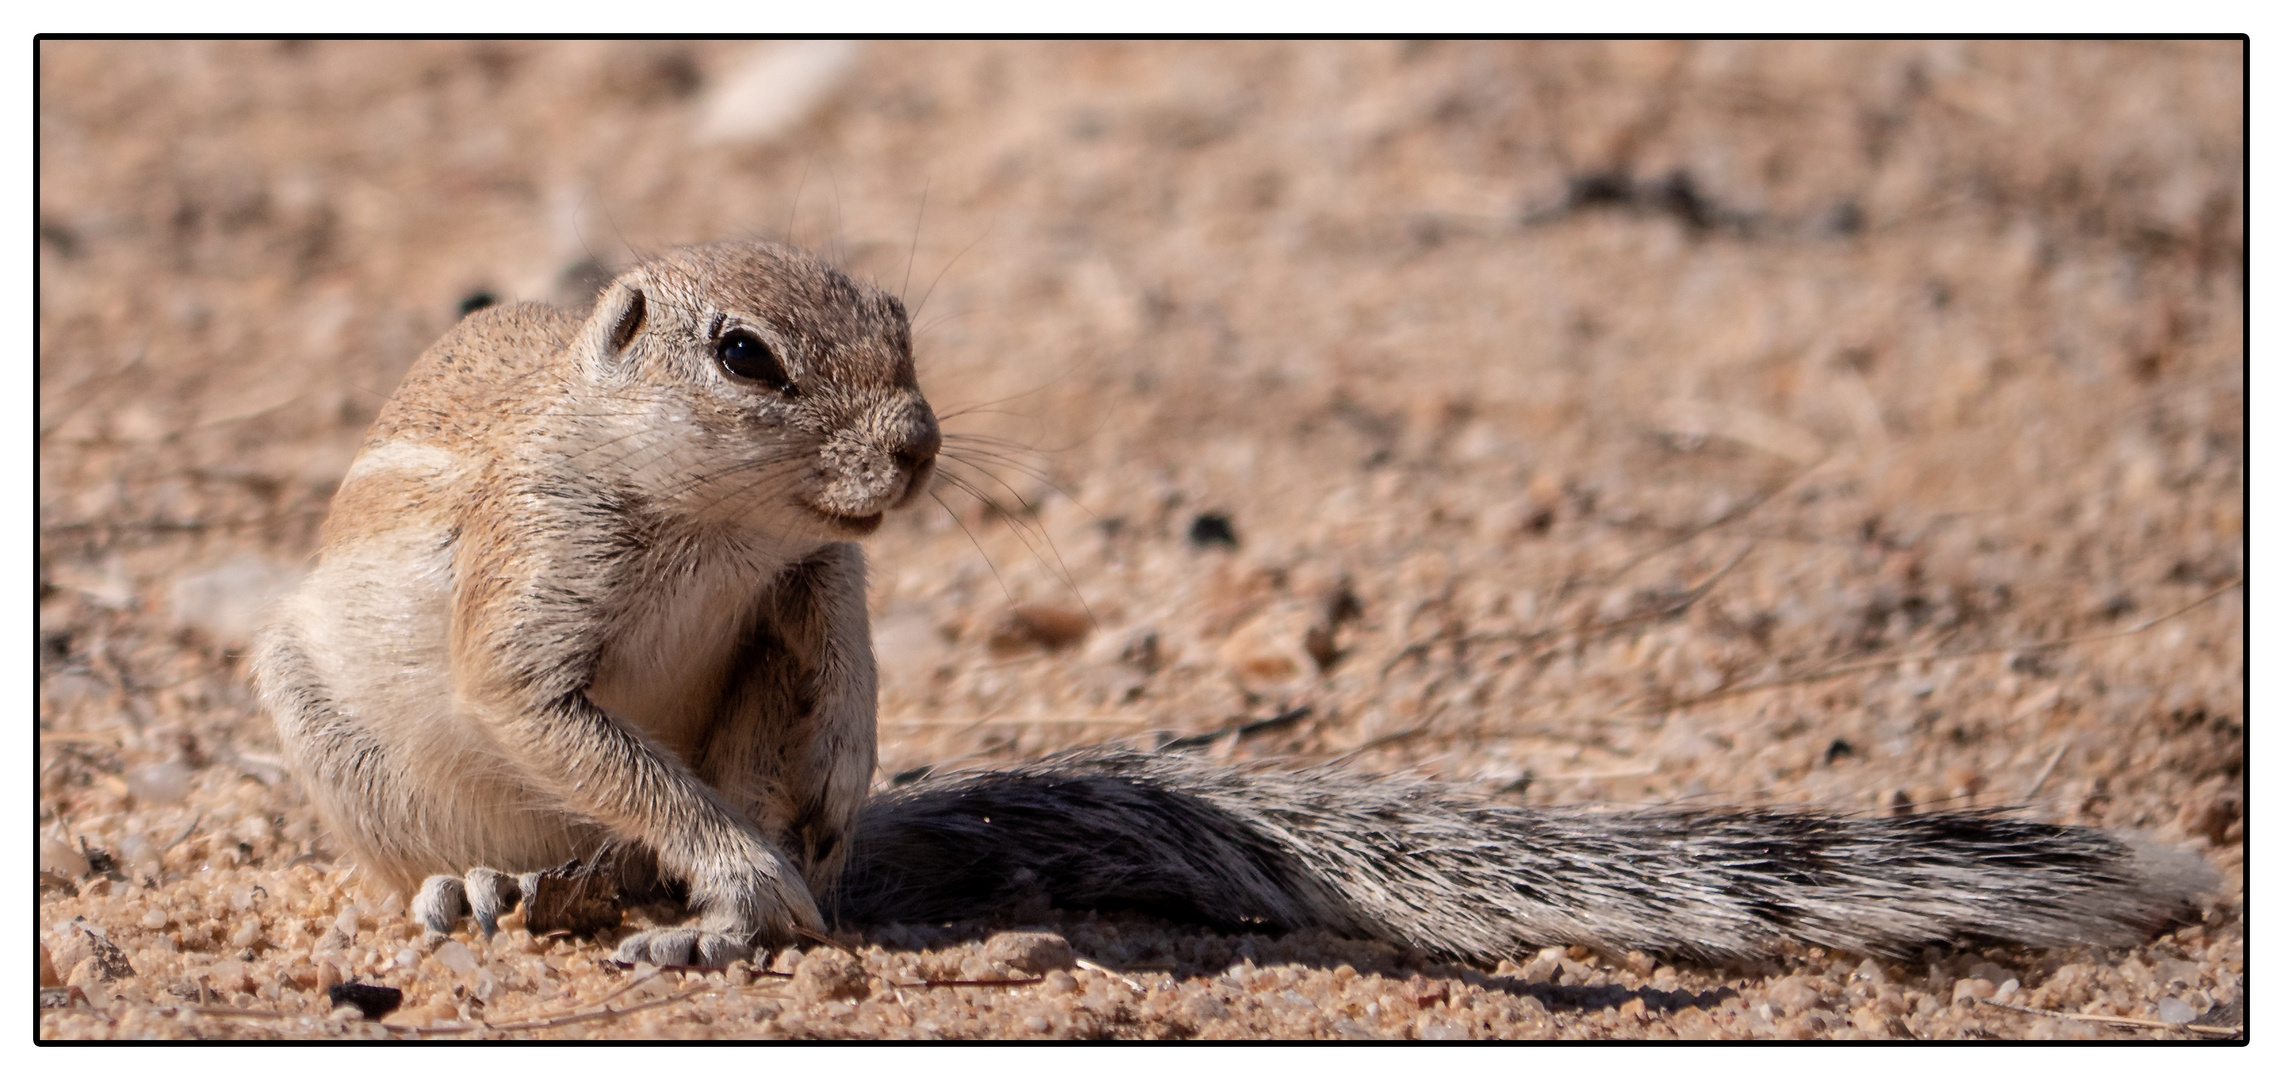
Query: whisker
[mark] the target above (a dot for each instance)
(743, 498)
(954, 262)
(965, 410)
(939, 320)
(904, 293)
(839, 232)
(1023, 531)
(978, 544)
(976, 456)
(793, 220)
(760, 465)
(1011, 449)
(1039, 476)
(1060, 568)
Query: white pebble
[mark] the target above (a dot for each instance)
(59, 857)
(456, 956)
(253, 829)
(138, 852)
(772, 89)
(248, 932)
(347, 923)
(2172, 1010)
(165, 783)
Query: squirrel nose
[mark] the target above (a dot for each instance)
(917, 456)
(919, 452)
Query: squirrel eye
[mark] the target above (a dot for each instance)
(742, 353)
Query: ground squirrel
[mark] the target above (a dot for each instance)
(589, 591)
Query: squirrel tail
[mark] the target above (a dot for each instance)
(1433, 866)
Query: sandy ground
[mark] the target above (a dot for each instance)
(1706, 422)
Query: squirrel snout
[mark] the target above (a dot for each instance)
(917, 456)
(883, 462)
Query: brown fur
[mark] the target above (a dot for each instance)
(582, 585)
(584, 594)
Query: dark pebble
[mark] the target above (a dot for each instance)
(1210, 529)
(373, 1001)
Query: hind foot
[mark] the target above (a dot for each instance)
(483, 892)
(673, 946)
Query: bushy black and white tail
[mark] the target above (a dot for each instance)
(1433, 866)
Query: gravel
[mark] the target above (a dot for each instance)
(1596, 424)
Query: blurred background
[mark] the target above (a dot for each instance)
(1594, 422)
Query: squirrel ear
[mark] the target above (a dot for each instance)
(619, 315)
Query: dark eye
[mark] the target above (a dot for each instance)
(742, 353)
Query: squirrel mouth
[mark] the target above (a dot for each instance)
(853, 525)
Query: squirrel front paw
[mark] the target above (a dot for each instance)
(740, 901)
(483, 892)
(674, 946)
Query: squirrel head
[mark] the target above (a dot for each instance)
(753, 384)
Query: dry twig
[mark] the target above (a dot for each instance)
(2122, 1021)
(597, 1014)
(1089, 965)
(931, 984)
(2045, 772)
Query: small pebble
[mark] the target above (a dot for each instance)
(1869, 1020)
(456, 956)
(1795, 994)
(2185, 972)
(59, 857)
(164, 783)
(2172, 1010)
(1208, 530)
(373, 1002)
(230, 977)
(829, 973)
(140, 855)
(1030, 953)
(1441, 1031)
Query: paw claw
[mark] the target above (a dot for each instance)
(719, 950)
(681, 946)
(490, 895)
(441, 901)
(484, 893)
